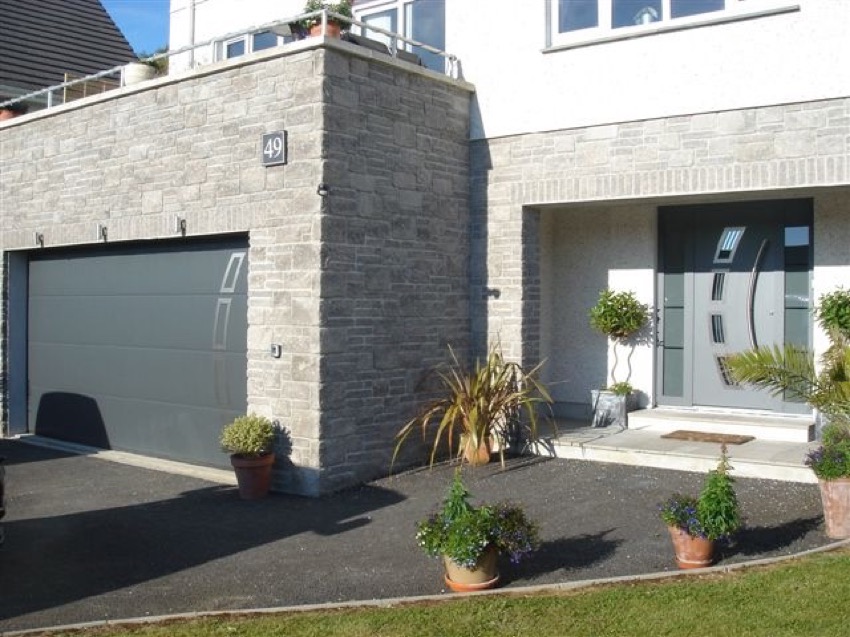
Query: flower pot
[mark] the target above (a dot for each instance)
(610, 408)
(333, 31)
(137, 72)
(483, 575)
(476, 456)
(691, 552)
(835, 495)
(253, 474)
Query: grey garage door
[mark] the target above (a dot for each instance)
(140, 349)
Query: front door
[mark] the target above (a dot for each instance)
(733, 277)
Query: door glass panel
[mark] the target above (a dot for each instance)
(727, 244)
(628, 13)
(717, 286)
(674, 327)
(574, 15)
(797, 326)
(717, 329)
(674, 372)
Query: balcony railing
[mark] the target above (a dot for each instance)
(398, 46)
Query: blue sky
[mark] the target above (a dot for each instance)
(143, 22)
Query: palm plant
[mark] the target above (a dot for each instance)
(491, 400)
(791, 370)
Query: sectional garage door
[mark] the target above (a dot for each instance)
(140, 349)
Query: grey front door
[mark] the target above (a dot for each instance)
(734, 277)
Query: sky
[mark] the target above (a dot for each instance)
(143, 22)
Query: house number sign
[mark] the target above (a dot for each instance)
(273, 150)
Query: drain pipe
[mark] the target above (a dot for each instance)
(192, 34)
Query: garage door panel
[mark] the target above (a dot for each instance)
(141, 349)
(139, 274)
(187, 322)
(177, 377)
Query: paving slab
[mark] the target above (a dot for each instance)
(89, 539)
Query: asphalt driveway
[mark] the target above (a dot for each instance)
(90, 540)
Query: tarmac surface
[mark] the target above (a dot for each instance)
(90, 540)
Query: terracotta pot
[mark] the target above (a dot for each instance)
(835, 495)
(476, 456)
(7, 113)
(484, 575)
(333, 31)
(253, 474)
(691, 552)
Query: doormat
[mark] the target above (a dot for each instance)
(702, 436)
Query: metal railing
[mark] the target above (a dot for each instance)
(397, 41)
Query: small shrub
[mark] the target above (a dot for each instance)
(250, 435)
(713, 515)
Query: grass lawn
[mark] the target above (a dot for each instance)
(810, 596)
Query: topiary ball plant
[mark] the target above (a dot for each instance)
(248, 436)
(618, 315)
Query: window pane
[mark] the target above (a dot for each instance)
(428, 21)
(235, 49)
(680, 8)
(577, 14)
(627, 13)
(264, 40)
(386, 20)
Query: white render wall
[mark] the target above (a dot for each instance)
(215, 18)
(793, 57)
(583, 250)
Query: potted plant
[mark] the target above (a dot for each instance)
(249, 440)
(313, 24)
(791, 371)
(494, 403)
(619, 316)
(469, 538)
(696, 524)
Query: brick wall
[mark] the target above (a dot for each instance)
(791, 147)
(362, 289)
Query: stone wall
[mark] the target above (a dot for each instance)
(362, 289)
(786, 149)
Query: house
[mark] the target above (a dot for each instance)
(169, 264)
(47, 42)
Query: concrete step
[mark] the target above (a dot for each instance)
(761, 426)
(764, 459)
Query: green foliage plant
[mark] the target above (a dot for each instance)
(342, 7)
(248, 436)
(490, 400)
(791, 371)
(621, 389)
(618, 315)
(833, 311)
(463, 532)
(715, 514)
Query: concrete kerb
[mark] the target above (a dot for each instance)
(443, 597)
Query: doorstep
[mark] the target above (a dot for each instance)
(758, 458)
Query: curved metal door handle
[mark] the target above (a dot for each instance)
(751, 295)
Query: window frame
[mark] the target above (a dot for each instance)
(735, 10)
(247, 39)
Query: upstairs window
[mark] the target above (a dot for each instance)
(249, 43)
(587, 20)
(420, 20)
